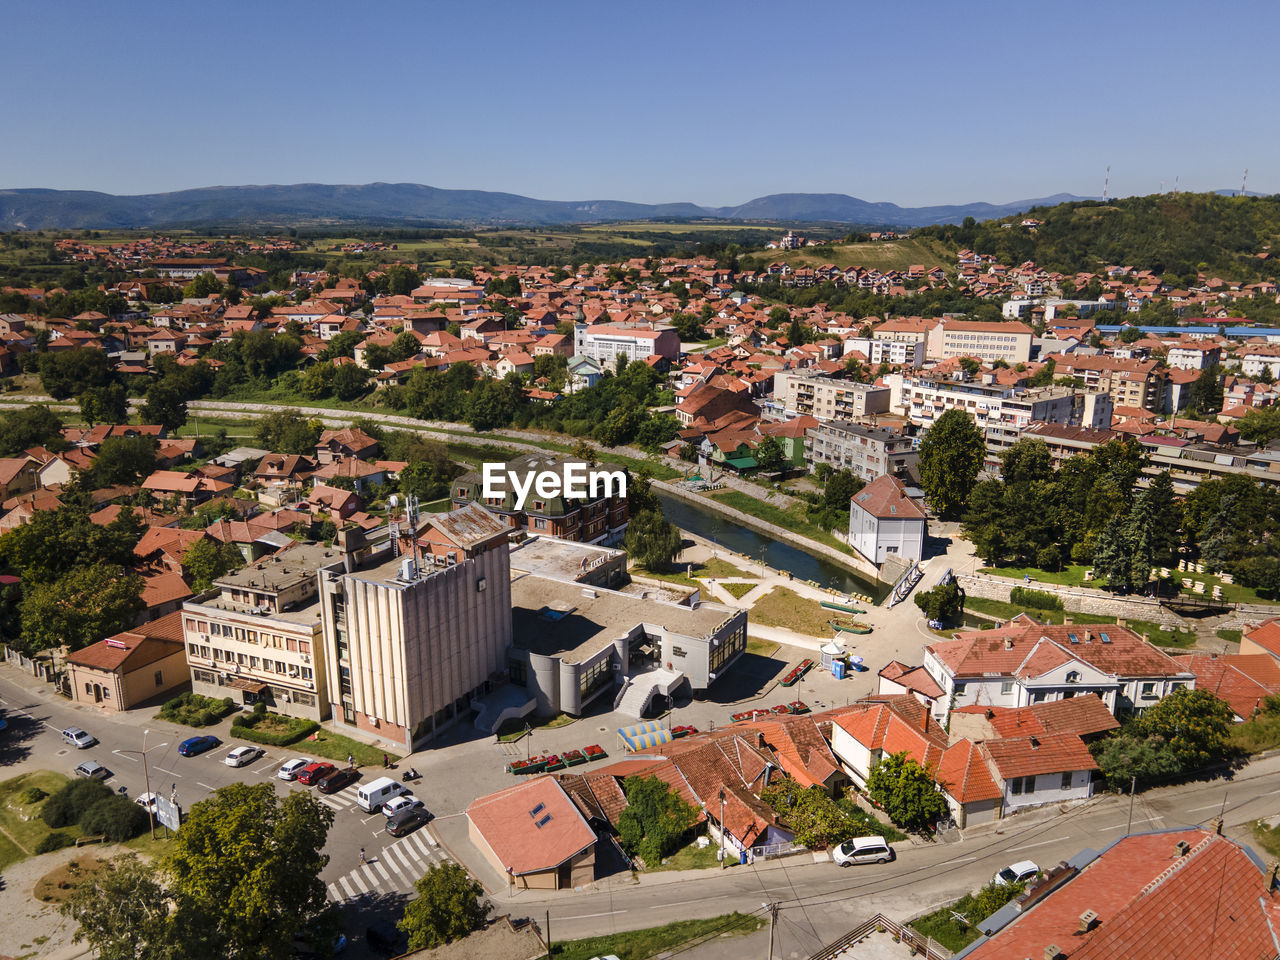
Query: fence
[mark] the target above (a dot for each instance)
(781, 849)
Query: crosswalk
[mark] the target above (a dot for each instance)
(344, 799)
(394, 869)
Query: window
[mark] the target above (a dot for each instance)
(1148, 691)
(159, 679)
(595, 676)
(1073, 676)
(1015, 786)
(1066, 780)
(1006, 686)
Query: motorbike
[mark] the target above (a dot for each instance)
(410, 775)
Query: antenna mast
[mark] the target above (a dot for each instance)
(1244, 181)
(1106, 184)
(1175, 186)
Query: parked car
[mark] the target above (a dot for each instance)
(92, 770)
(194, 746)
(863, 850)
(315, 772)
(337, 780)
(242, 755)
(406, 801)
(78, 738)
(407, 821)
(291, 768)
(147, 802)
(1019, 872)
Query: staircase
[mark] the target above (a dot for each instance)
(638, 691)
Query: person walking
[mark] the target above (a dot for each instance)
(351, 762)
(363, 861)
(384, 762)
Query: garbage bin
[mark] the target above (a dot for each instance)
(742, 857)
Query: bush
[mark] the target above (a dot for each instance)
(115, 817)
(71, 803)
(32, 795)
(1039, 599)
(194, 710)
(286, 730)
(54, 841)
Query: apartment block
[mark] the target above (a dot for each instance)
(870, 452)
(806, 392)
(908, 353)
(1009, 341)
(605, 344)
(414, 637)
(257, 635)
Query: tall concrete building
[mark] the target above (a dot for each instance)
(806, 392)
(412, 639)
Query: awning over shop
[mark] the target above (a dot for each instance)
(640, 735)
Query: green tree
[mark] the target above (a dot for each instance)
(816, 820)
(449, 906)
(54, 542)
(350, 381)
(652, 541)
(951, 456)
(34, 426)
(1261, 424)
(943, 602)
(67, 373)
(1113, 554)
(206, 560)
(1128, 755)
(906, 792)
(768, 455)
(122, 912)
(656, 821)
(123, 460)
(165, 406)
(287, 431)
(86, 605)
(205, 285)
(109, 404)
(1194, 723)
(245, 871)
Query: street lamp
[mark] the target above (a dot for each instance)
(146, 775)
(722, 828)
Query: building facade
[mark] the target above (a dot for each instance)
(605, 344)
(870, 452)
(885, 522)
(800, 392)
(1009, 340)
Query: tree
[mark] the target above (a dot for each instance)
(1113, 554)
(1194, 723)
(124, 460)
(943, 602)
(1205, 395)
(245, 871)
(206, 560)
(86, 605)
(66, 373)
(656, 821)
(350, 381)
(287, 431)
(109, 404)
(652, 541)
(1128, 755)
(123, 912)
(768, 455)
(34, 426)
(906, 792)
(815, 819)
(951, 456)
(165, 406)
(448, 907)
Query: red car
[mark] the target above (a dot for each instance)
(315, 772)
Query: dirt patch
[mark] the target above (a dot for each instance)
(60, 882)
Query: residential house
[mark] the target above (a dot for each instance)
(131, 669)
(884, 521)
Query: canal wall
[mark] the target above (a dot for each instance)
(856, 564)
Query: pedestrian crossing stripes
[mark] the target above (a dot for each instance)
(344, 799)
(393, 870)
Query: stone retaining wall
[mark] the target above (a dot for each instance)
(1074, 600)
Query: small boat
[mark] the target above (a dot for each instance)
(842, 607)
(848, 626)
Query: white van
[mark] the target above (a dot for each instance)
(863, 850)
(373, 795)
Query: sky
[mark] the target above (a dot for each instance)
(708, 102)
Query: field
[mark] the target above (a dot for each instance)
(787, 609)
(882, 255)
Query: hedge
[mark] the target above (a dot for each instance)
(117, 818)
(297, 728)
(1039, 599)
(54, 841)
(195, 710)
(72, 802)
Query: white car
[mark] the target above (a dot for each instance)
(78, 738)
(147, 802)
(863, 850)
(1019, 872)
(291, 769)
(406, 801)
(242, 755)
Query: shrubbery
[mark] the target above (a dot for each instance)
(32, 795)
(117, 818)
(1036, 599)
(287, 729)
(195, 710)
(71, 803)
(54, 841)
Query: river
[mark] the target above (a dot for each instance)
(780, 556)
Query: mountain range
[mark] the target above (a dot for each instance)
(404, 203)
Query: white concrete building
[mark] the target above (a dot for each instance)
(885, 522)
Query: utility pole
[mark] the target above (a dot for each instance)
(146, 774)
(1133, 786)
(548, 935)
(722, 828)
(773, 917)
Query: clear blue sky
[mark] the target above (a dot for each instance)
(709, 102)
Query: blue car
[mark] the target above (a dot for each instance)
(197, 745)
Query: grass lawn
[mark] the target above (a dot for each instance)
(1072, 576)
(514, 729)
(1262, 732)
(739, 590)
(687, 574)
(762, 648)
(694, 857)
(21, 828)
(793, 518)
(334, 746)
(1005, 611)
(1231, 636)
(1268, 837)
(782, 607)
(642, 944)
(1160, 636)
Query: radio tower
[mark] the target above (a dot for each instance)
(1244, 181)
(1106, 184)
(1175, 186)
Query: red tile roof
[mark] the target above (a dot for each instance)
(1242, 681)
(964, 775)
(1267, 636)
(507, 823)
(886, 498)
(1027, 649)
(1031, 756)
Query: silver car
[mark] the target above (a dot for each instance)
(92, 770)
(79, 738)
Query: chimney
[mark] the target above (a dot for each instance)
(1067, 621)
(990, 714)
(1121, 622)
(1183, 848)
(1051, 952)
(924, 720)
(1088, 636)
(1217, 825)
(1087, 921)
(1273, 875)
(1008, 643)
(1035, 744)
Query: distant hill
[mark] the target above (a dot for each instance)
(389, 203)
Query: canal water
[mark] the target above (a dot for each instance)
(712, 526)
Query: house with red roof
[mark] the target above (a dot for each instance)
(1264, 638)
(534, 836)
(1244, 681)
(143, 665)
(884, 521)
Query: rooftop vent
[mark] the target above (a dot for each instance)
(1008, 643)
(1183, 848)
(1051, 952)
(1088, 920)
